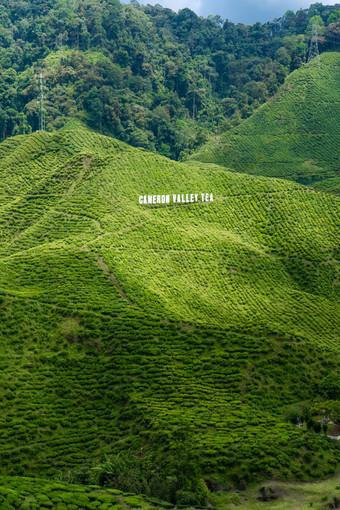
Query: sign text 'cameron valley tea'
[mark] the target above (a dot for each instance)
(177, 198)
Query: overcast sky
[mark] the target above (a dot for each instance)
(238, 11)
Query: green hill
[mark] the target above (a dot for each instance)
(165, 331)
(294, 135)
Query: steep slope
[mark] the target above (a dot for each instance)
(123, 323)
(295, 135)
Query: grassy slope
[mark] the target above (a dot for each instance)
(290, 496)
(21, 492)
(119, 322)
(295, 135)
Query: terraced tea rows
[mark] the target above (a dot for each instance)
(121, 322)
(21, 492)
(294, 136)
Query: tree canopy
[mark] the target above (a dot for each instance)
(144, 74)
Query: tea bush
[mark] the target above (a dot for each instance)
(121, 324)
(293, 136)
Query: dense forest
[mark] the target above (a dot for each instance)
(144, 74)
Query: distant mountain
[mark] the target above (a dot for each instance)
(166, 331)
(293, 136)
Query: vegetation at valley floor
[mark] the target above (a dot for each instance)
(21, 492)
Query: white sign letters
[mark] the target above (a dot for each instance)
(177, 198)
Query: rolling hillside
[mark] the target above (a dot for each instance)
(293, 136)
(124, 324)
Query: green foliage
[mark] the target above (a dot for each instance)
(157, 349)
(329, 386)
(144, 74)
(298, 412)
(317, 427)
(294, 135)
(22, 492)
(327, 407)
(122, 472)
(33, 493)
(176, 334)
(178, 476)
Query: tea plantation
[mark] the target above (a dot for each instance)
(22, 492)
(167, 332)
(294, 135)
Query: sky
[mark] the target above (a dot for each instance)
(239, 11)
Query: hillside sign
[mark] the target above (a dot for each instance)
(178, 198)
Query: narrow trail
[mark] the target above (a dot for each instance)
(113, 279)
